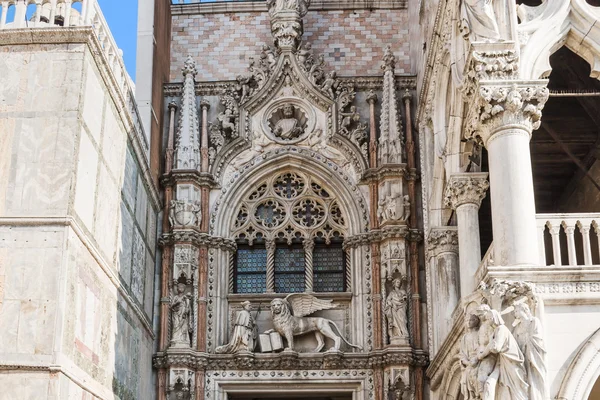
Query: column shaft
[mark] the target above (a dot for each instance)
(513, 205)
(469, 245)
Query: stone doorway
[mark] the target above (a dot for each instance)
(291, 396)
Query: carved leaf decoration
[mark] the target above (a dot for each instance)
(305, 304)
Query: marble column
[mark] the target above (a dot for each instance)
(504, 112)
(442, 245)
(464, 193)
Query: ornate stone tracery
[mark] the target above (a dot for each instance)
(289, 206)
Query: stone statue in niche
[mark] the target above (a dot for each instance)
(183, 213)
(479, 20)
(181, 316)
(395, 309)
(244, 333)
(289, 320)
(507, 379)
(529, 335)
(287, 124)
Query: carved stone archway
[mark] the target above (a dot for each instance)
(583, 371)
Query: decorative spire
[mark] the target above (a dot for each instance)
(187, 144)
(390, 139)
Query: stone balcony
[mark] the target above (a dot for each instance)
(569, 267)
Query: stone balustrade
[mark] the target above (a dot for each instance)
(569, 239)
(40, 14)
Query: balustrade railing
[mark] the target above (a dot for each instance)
(23, 14)
(569, 239)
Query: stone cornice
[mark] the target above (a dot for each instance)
(466, 188)
(197, 238)
(361, 83)
(377, 235)
(86, 35)
(189, 176)
(385, 172)
(443, 239)
(259, 6)
(289, 360)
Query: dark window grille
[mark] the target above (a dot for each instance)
(289, 269)
(251, 269)
(329, 269)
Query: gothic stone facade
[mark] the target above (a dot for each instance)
(316, 223)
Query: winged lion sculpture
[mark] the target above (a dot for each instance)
(289, 320)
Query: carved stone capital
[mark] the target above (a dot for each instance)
(466, 188)
(443, 239)
(372, 97)
(501, 100)
(205, 104)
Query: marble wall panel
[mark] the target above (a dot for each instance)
(107, 201)
(87, 175)
(31, 269)
(130, 179)
(29, 385)
(126, 244)
(114, 142)
(93, 103)
(138, 267)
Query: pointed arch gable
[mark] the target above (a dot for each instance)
(574, 26)
(342, 187)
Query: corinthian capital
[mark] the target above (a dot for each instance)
(443, 239)
(499, 99)
(466, 188)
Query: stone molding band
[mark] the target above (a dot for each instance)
(289, 360)
(196, 238)
(256, 6)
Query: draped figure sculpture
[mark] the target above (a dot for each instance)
(181, 312)
(244, 333)
(469, 346)
(395, 311)
(528, 333)
(481, 19)
(508, 378)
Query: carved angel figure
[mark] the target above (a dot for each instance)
(330, 84)
(288, 320)
(181, 311)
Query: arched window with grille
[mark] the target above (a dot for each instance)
(289, 232)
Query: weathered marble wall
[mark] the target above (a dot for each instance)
(77, 231)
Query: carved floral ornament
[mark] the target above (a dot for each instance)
(469, 188)
(443, 240)
(289, 206)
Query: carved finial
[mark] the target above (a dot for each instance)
(389, 60)
(189, 66)
(372, 97)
